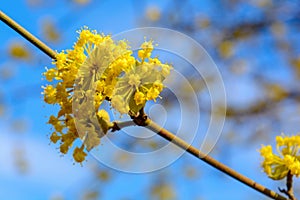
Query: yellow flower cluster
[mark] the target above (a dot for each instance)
(278, 166)
(140, 84)
(95, 70)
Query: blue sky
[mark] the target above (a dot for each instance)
(49, 173)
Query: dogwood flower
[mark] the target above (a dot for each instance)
(287, 160)
(95, 70)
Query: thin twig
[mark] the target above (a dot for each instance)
(289, 187)
(119, 125)
(142, 120)
(27, 35)
(212, 162)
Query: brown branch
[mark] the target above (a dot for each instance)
(119, 125)
(143, 120)
(27, 35)
(289, 187)
(210, 161)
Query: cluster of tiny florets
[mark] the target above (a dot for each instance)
(95, 70)
(288, 159)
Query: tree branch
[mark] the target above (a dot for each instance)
(210, 161)
(27, 35)
(119, 125)
(289, 187)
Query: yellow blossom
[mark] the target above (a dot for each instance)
(152, 94)
(54, 137)
(64, 148)
(145, 52)
(97, 69)
(50, 94)
(79, 154)
(103, 115)
(50, 74)
(288, 160)
(139, 98)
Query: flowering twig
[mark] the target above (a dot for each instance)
(143, 120)
(289, 187)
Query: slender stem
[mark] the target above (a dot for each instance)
(144, 121)
(27, 35)
(212, 162)
(119, 125)
(289, 187)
